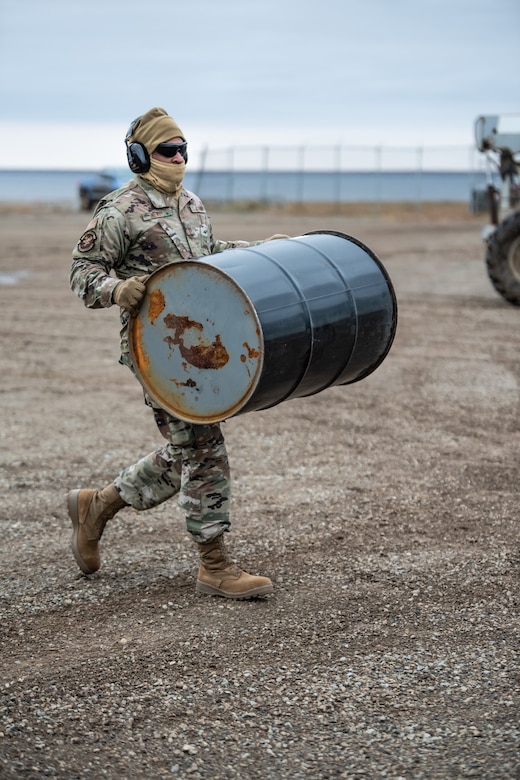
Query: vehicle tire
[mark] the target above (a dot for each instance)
(503, 259)
(85, 202)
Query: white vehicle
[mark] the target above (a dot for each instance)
(499, 138)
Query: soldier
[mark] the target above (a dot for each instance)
(150, 221)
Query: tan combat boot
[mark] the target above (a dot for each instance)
(218, 576)
(90, 510)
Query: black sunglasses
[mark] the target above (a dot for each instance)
(170, 150)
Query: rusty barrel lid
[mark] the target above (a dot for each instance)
(197, 344)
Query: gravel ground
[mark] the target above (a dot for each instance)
(385, 512)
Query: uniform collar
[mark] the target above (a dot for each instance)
(161, 199)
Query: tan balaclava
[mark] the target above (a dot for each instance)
(154, 128)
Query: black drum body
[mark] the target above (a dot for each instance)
(249, 328)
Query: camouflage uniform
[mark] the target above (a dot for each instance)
(135, 230)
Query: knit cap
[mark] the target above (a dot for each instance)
(154, 128)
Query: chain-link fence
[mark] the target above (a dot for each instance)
(337, 174)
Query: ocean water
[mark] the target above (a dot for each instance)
(61, 187)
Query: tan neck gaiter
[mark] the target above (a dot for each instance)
(166, 177)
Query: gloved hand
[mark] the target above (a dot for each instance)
(277, 235)
(130, 293)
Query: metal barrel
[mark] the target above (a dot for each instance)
(248, 328)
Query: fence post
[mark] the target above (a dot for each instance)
(231, 174)
(301, 177)
(418, 194)
(200, 172)
(265, 174)
(338, 178)
(377, 195)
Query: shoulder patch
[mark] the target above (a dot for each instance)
(87, 241)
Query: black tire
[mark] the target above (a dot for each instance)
(503, 259)
(85, 202)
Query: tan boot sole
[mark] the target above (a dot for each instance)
(72, 507)
(202, 587)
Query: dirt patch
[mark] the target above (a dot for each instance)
(386, 513)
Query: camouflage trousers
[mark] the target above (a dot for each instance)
(193, 464)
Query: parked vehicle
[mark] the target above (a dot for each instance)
(499, 138)
(93, 188)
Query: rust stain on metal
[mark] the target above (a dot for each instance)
(213, 355)
(179, 324)
(251, 352)
(142, 358)
(187, 383)
(156, 305)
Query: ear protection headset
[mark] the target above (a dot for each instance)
(136, 153)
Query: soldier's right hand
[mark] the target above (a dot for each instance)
(130, 293)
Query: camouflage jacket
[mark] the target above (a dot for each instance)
(133, 231)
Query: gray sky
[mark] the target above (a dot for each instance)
(407, 72)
